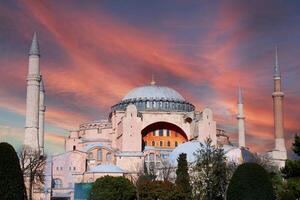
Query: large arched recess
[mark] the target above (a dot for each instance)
(168, 134)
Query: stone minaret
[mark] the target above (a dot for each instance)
(33, 95)
(42, 110)
(241, 119)
(279, 153)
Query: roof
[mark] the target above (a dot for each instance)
(91, 146)
(106, 168)
(153, 92)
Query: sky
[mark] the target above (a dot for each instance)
(94, 52)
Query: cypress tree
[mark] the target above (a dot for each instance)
(250, 181)
(11, 178)
(183, 178)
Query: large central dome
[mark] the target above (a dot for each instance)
(154, 92)
(154, 98)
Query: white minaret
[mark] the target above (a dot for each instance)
(42, 110)
(241, 119)
(279, 153)
(33, 95)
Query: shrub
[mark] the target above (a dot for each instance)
(250, 181)
(11, 178)
(113, 188)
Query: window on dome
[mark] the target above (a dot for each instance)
(161, 132)
(99, 154)
(161, 143)
(148, 104)
(176, 143)
(154, 104)
(153, 143)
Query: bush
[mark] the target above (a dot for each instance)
(159, 190)
(11, 178)
(250, 181)
(113, 188)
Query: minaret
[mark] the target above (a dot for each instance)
(241, 119)
(33, 94)
(279, 152)
(42, 110)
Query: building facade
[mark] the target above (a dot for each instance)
(150, 125)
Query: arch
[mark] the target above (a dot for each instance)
(165, 135)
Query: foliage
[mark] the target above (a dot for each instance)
(11, 178)
(113, 188)
(32, 166)
(291, 169)
(290, 187)
(210, 172)
(250, 181)
(159, 190)
(296, 145)
(182, 176)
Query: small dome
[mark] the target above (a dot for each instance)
(154, 92)
(107, 168)
(232, 153)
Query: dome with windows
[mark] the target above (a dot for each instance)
(154, 97)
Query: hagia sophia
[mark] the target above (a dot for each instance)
(149, 126)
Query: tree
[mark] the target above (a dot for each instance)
(250, 181)
(32, 167)
(210, 172)
(296, 145)
(182, 176)
(11, 178)
(112, 188)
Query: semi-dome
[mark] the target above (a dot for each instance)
(153, 92)
(155, 98)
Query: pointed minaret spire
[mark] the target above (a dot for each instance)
(241, 119)
(276, 67)
(240, 96)
(34, 48)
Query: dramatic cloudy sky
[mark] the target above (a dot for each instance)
(94, 52)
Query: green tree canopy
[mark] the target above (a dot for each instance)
(11, 178)
(182, 176)
(296, 145)
(113, 188)
(250, 181)
(159, 190)
(210, 172)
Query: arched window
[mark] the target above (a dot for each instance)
(90, 155)
(57, 183)
(74, 147)
(153, 143)
(161, 143)
(169, 143)
(161, 132)
(168, 133)
(108, 156)
(99, 154)
(176, 143)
